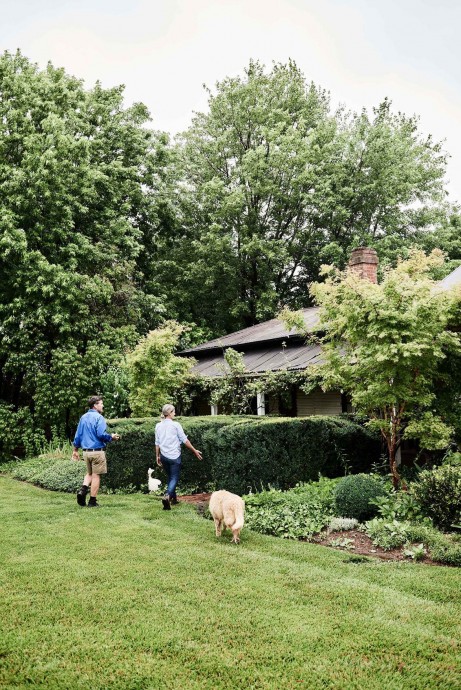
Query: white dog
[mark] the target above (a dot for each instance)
(153, 483)
(227, 510)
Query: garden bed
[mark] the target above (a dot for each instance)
(353, 541)
(357, 542)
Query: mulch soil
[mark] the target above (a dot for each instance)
(358, 543)
(195, 499)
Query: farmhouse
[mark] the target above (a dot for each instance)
(270, 347)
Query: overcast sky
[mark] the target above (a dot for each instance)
(165, 50)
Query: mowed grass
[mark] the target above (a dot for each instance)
(133, 597)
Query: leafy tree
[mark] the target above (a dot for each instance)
(438, 227)
(385, 345)
(155, 374)
(270, 184)
(447, 237)
(75, 190)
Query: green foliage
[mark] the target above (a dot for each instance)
(438, 492)
(446, 235)
(388, 534)
(354, 496)
(446, 552)
(131, 457)
(282, 452)
(233, 390)
(417, 553)
(76, 172)
(340, 524)
(18, 432)
(295, 514)
(384, 345)
(155, 375)
(53, 470)
(398, 505)
(114, 383)
(266, 199)
(453, 459)
(342, 543)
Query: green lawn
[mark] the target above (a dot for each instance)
(132, 597)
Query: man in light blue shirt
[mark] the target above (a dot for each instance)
(169, 436)
(92, 437)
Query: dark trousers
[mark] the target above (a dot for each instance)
(173, 470)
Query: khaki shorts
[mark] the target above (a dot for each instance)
(96, 462)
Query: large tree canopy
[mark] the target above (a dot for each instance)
(271, 184)
(75, 188)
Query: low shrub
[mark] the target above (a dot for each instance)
(55, 471)
(438, 492)
(453, 459)
(340, 524)
(131, 456)
(387, 534)
(398, 505)
(296, 514)
(442, 548)
(447, 552)
(354, 493)
(416, 552)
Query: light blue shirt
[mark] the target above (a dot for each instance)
(169, 435)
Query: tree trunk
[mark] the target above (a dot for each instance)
(396, 478)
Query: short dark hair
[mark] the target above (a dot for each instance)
(93, 400)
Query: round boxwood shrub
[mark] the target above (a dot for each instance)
(353, 494)
(438, 492)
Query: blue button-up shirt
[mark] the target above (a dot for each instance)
(91, 431)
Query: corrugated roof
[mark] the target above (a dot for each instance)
(274, 329)
(271, 355)
(262, 360)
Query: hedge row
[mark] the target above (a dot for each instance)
(243, 453)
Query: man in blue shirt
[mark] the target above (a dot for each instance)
(92, 437)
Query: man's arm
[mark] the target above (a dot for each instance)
(157, 455)
(102, 434)
(77, 441)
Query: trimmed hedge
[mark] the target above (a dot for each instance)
(281, 452)
(131, 456)
(246, 453)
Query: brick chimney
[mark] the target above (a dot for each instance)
(364, 261)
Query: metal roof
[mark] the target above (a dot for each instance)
(267, 349)
(261, 360)
(274, 329)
